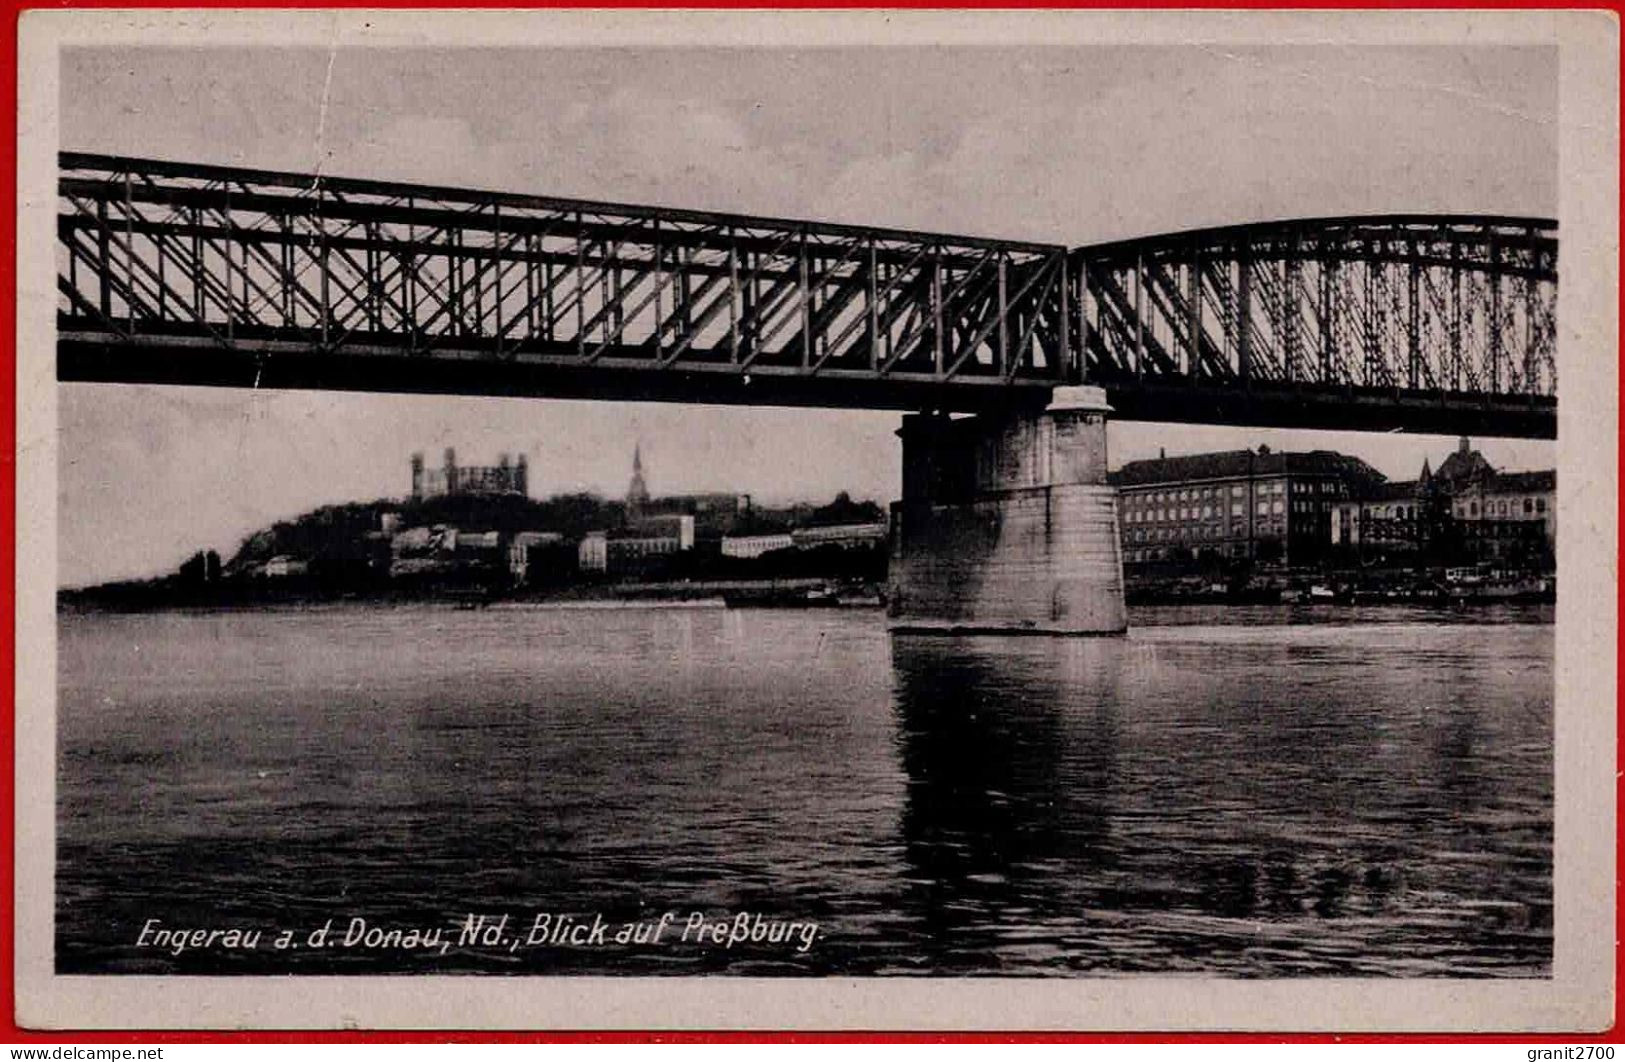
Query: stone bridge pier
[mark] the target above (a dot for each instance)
(1007, 524)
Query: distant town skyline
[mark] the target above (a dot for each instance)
(226, 453)
(1067, 143)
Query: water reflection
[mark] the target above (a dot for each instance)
(1258, 803)
(1366, 798)
(1011, 754)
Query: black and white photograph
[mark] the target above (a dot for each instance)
(976, 507)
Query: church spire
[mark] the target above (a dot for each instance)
(637, 494)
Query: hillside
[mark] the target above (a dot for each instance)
(338, 532)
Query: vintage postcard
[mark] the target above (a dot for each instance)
(928, 520)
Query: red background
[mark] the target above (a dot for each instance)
(8, 543)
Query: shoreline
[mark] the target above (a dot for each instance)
(712, 593)
(1297, 611)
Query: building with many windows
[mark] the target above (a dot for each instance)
(1466, 511)
(1386, 520)
(592, 553)
(846, 536)
(749, 547)
(1234, 505)
(636, 547)
(1507, 508)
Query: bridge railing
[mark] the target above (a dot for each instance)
(154, 253)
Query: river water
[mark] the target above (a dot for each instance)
(1243, 792)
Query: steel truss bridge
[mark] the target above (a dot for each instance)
(188, 274)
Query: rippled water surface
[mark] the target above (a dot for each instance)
(1244, 792)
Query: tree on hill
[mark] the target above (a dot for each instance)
(843, 510)
(571, 515)
(340, 532)
(333, 531)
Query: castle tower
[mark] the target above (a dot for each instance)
(637, 494)
(451, 471)
(417, 477)
(521, 476)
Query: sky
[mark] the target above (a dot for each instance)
(1063, 144)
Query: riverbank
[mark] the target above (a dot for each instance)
(1461, 588)
(1329, 597)
(802, 592)
(765, 593)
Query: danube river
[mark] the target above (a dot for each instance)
(1241, 792)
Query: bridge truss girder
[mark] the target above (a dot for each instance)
(172, 272)
(1453, 314)
(260, 268)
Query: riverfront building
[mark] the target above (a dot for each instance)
(845, 536)
(749, 547)
(1508, 507)
(841, 536)
(1468, 509)
(443, 551)
(1238, 504)
(647, 537)
(592, 553)
(526, 549)
(1389, 519)
(637, 547)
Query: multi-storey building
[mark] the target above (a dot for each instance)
(747, 547)
(1236, 504)
(1508, 506)
(1467, 509)
(525, 547)
(635, 547)
(1385, 519)
(846, 536)
(592, 554)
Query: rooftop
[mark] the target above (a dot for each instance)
(1403, 490)
(1525, 482)
(1232, 464)
(1462, 465)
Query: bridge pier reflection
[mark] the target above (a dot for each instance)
(1007, 524)
(1011, 750)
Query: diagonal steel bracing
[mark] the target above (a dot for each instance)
(173, 272)
(1448, 320)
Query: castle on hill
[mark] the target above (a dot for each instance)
(505, 477)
